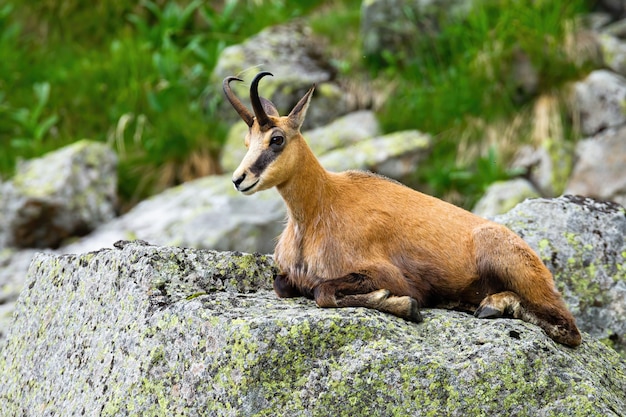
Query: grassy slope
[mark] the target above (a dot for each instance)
(136, 76)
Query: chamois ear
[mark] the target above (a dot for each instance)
(296, 117)
(269, 107)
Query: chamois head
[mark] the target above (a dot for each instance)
(270, 159)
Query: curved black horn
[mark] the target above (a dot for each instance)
(260, 114)
(238, 105)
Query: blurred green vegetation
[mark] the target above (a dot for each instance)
(461, 83)
(136, 75)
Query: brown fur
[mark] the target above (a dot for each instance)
(350, 235)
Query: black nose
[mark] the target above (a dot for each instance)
(238, 181)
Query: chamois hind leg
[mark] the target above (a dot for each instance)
(501, 304)
(520, 284)
(364, 289)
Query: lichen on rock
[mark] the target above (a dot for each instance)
(63, 194)
(152, 331)
(583, 243)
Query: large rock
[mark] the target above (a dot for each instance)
(548, 166)
(144, 330)
(297, 61)
(502, 196)
(350, 142)
(65, 193)
(13, 266)
(394, 155)
(346, 130)
(599, 171)
(613, 53)
(600, 101)
(204, 213)
(583, 243)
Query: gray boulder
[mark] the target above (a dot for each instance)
(613, 53)
(502, 196)
(65, 193)
(204, 213)
(346, 130)
(297, 61)
(142, 330)
(600, 169)
(599, 101)
(394, 155)
(13, 266)
(350, 142)
(547, 166)
(583, 243)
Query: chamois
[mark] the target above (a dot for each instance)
(356, 239)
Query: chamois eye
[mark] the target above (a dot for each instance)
(277, 142)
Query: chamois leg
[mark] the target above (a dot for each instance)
(501, 304)
(361, 290)
(284, 289)
(404, 306)
(520, 284)
(509, 304)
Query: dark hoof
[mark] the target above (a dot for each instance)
(487, 312)
(414, 312)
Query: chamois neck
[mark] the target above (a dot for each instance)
(309, 190)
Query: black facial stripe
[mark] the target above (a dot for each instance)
(266, 158)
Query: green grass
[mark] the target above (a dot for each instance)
(136, 75)
(458, 84)
(133, 75)
(465, 73)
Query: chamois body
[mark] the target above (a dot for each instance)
(361, 222)
(359, 239)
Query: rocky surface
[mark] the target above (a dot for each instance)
(13, 267)
(343, 131)
(600, 170)
(502, 196)
(297, 61)
(613, 53)
(583, 243)
(394, 155)
(146, 330)
(548, 166)
(600, 98)
(66, 193)
(204, 213)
